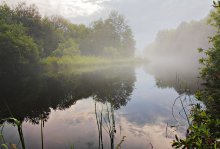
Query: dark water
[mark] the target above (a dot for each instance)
(135, 102)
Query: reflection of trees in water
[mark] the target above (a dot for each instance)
(115, 88)
(30, 97)
(116, 91)
(182, 76)
(105, 118)
(181, 84)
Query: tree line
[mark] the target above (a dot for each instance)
(204, 130)
(26, 37)
(181, 43)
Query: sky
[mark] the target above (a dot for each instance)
(146, 17)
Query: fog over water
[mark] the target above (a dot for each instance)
(174, 54)
(85, 86)
(66, 102)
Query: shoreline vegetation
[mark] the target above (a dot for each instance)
(28, 39)
(85, 61)
(204, 124)
(30, 43)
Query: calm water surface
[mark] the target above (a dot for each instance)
(135, 102)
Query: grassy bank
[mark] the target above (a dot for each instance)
(84, 61)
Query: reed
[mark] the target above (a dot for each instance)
(18, 124)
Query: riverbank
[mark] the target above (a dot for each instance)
(85, 61)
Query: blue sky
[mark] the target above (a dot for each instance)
(146, 17)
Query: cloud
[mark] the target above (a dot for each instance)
(146, 17)
(65, 8)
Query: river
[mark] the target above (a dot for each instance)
(134, 107)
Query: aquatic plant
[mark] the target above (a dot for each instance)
(18, 124)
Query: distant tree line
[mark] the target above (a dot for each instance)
(26, 37)
(181, 43)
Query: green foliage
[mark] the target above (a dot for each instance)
(72, 147)
(210, 71)
(26, 37)
(202, 133)
(70, 47)
(112, 32)
(17, 124)
(75, 61)
(86, 61)
(216, 3)
(4, 146)
(6, 13)
(39, 28)
(71, 35)
(17, 48)
(110, 52)
(70, 30)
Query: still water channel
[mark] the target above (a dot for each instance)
(128, 106)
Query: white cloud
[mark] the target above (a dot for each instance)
(146, 17)
(65, 8)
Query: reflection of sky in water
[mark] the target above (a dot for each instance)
(149, 104)
(143, 121)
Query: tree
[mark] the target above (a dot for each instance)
(17, 49)
(70, 30)
(40, 29)
(122, 34)
(98, 38)
(204, 130)
(112, 32)
(210, 71)
(70, 47)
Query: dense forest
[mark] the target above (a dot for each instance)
(27, 38)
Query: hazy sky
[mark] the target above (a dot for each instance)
(146, 17)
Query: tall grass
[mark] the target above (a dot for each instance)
(106, 121)
(18, 124)
(88, 61)
(41, 130)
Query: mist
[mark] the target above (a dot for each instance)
(174, 56)
(116, 69)
(181, 43)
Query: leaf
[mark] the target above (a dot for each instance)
(17, 122)
(176, 138)
(13, 146)
(214, 2)
(200, 50)
(4, 146)
(201, 60)
(175, 144)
